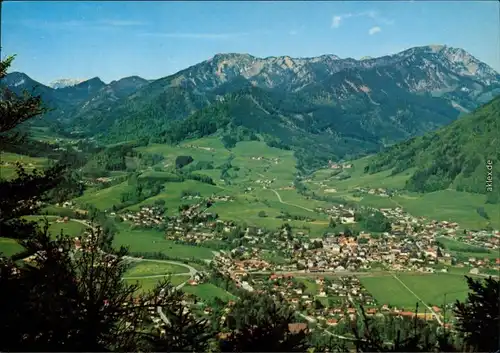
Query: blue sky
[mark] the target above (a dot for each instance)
(154, 39)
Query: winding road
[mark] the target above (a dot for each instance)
(288, 203)
(192, 271)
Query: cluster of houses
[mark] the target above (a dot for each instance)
(194, 225)
(340, 212)
(210, 149)
(265, 182)
(211, 199)
(323, 301)
(411, 246)
(378, 191)
(97, 181)
(480, 238)
(146, 217)
(274, 160)
(221, 198)
(333, 165)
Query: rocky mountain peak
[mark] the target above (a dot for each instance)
(65, 82)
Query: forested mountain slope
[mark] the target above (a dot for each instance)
(456, 156)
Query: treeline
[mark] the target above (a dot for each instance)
(139, 189)
(286, 215)
(202, 123)
(123, 157)
(233, 134)
(162, 256)
(373, 220)
(199, 165)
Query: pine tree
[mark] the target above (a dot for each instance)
(24, 194)
(478, 317)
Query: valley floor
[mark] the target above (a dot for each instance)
(256, 185)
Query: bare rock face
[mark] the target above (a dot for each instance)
(65, 82)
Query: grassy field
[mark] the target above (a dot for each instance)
(147, 284)
(150, 268)
(71, 228)
(359, 179)
(431, 288)
(311, 286)
(450, 205)
(458, 248)
(443, 205)
(105, 198)
(208, 291)
(172, 194)
(9, 247)
(387, 290)
(200, 152)
(428, 287)
(154, 241)
(29, 163)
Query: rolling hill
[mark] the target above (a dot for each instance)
(454, 157)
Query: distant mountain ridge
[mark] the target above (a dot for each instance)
(352, 106)
(65, 82)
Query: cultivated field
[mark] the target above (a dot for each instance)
(430, 288)
(147, 284)
(154, 241)
(150, 268)
(71, 228)
(9, 247)
(8, 167)
(208, 291)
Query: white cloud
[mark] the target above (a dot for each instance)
(293, 32)
(374, 15)
(374, 30)
(337, 20)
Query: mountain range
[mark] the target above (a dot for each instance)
(322, 107)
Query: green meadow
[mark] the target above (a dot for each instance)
(431, 288)
(150, 268)
(148, 240)
(8, 167)
(147, 284)
(461, 249)
(208, 291)
(443, 205)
